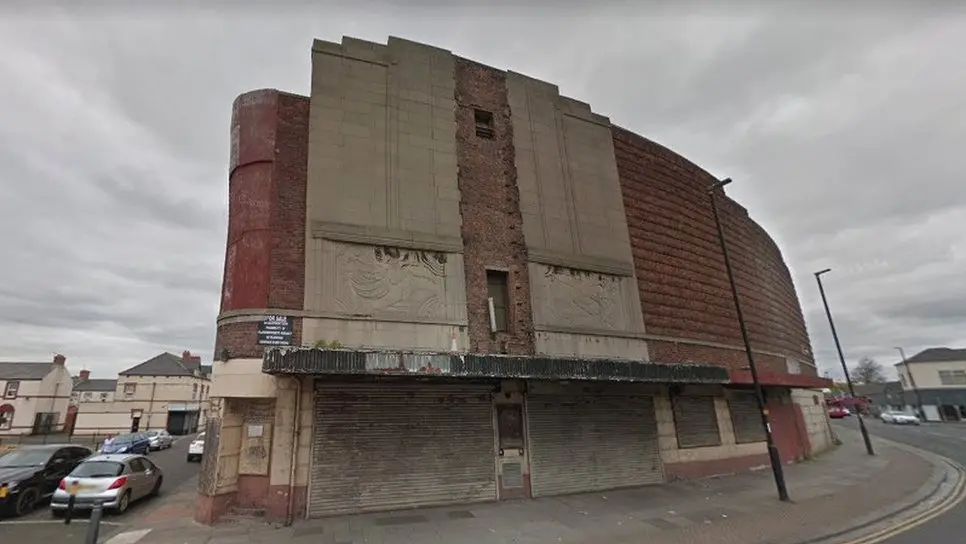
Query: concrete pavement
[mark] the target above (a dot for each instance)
(838, 497)
(39, 527)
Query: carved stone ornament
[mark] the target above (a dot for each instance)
(584, 299)
(382, 281)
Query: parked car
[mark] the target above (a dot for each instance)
(29, 474)
(197, 448)
(899, 418)
(837, 412)
(128, 443)
(160, 440)
(114, 480)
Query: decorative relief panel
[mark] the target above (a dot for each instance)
(388, 282)
(578, 299)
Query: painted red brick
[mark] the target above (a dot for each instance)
(703, 469)
(492, 227)
(680, 269)
(265, 253)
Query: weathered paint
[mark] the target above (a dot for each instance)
(351, 362)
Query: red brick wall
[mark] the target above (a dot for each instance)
(240, 338)
(490, 204)
(265, 254)
(680, 269)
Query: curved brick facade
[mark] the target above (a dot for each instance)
(523, 193)
(680, 269)
(684, 291)
(265, 252)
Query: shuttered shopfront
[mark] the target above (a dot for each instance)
(592, 442)
(695, 421)
(382, 446)
(745, 417)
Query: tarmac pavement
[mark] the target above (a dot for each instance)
(39, 527)
(837, 498)
(947, 439)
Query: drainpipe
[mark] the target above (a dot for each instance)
(150, 407)
(296, 433)
(53, 406)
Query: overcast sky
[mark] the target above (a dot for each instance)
(845, 133)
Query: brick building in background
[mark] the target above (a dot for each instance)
(412, 192)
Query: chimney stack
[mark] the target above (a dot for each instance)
(59, 359)
(85, 375)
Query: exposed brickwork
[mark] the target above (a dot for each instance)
(492, 227)
(241, 339)
(290, 175)
(680, 270)
(671, 352)
(265, 256)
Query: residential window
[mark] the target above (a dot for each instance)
(88, 395)
(484, 124)
(194, 391)
(952, 377)
(10, 391)
(497, 290)
(6, 417)
(129, 389)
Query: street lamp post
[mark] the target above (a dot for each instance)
(845, 368)
(912, 382)
(774, 457)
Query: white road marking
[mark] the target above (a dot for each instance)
(128, 537)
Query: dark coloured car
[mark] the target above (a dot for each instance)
(29, 475)
(128, 443)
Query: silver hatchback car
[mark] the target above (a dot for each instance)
(114, 480)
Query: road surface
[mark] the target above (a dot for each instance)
(948, 440)
(39, 527)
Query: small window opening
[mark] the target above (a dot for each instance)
(484, 124)
(497, 289)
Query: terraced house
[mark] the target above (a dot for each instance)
(34, 397)
(165, 392)
(446, 282)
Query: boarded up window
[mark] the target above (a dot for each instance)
(695, 421)
(510, 425)
(497, 288)
(746, 418)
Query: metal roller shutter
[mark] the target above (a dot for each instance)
(745, 417)
(590, 443)
(696, 421)
(385, 446)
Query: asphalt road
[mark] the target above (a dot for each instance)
(40, 527)
(948, 440)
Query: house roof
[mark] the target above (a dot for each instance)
(937, 355)
(24, 371)
(96, 384)
(867, 389)
(165, 364)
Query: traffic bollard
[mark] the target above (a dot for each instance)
(70, 509)
(95, 524)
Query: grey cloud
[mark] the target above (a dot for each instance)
(842, 129)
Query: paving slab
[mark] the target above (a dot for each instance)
(832, 493)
